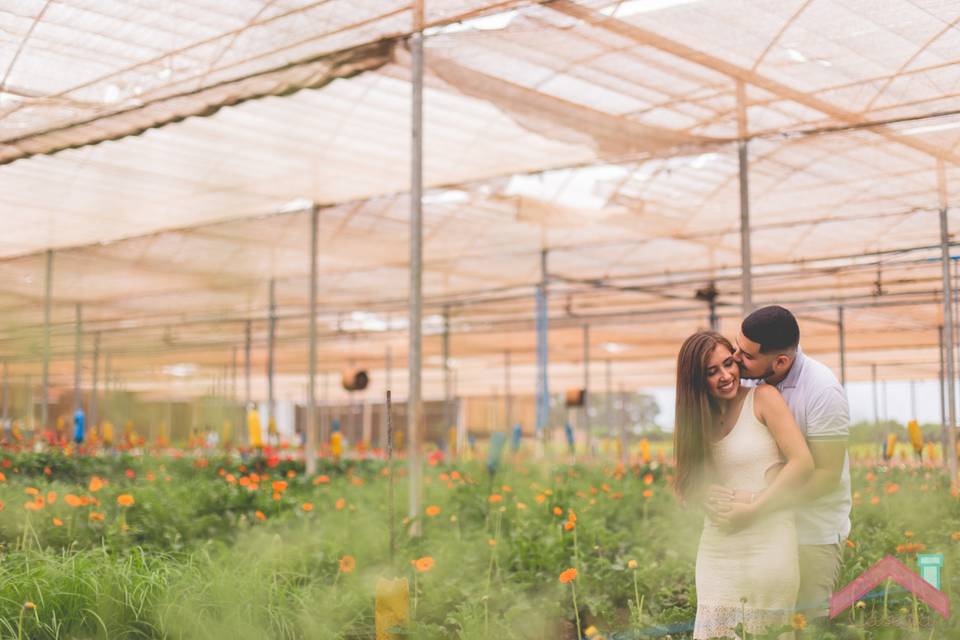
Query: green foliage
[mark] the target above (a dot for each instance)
(192, 559)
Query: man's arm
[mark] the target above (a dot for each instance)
(828, 457)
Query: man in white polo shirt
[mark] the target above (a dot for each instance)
(768, 350)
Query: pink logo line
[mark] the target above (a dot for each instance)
(889, 567)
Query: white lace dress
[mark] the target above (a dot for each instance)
(750, 576)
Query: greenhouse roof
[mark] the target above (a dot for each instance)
(168, 154)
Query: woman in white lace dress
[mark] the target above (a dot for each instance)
(747, 440)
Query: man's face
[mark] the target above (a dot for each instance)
(753, 364)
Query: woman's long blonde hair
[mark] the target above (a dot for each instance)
(695, 412)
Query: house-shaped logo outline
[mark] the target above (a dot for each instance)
(889, 567)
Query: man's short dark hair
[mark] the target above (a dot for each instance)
(773, 328)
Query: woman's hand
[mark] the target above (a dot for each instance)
(737, 516)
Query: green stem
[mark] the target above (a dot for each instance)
(636, 595)
(916, 615)
(415, 594)
(576, 610)
(20, 623)
(886, 591)
(576, 550)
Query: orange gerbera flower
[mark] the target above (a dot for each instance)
(568, 525)
(875, 500)
(125, 500)
(340, 504)
(648, 478)
(51, 497)
(95, 484)
(569, 575)
(798, 621)
(347, 564)
(648, 493)
(433, 510)
(96, 516)
(892, 487)
(32, 491)
(279, 486)
(321, 480)
(423, 564)
(260, 516)
(34, 505)
(496, 497)
(57, 522)
(557, 511)
(307, 507)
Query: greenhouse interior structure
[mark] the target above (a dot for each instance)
(495, 211)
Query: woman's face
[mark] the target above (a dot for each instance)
(723, 374)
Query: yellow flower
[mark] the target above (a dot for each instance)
(632, 564)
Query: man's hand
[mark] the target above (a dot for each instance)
(735, 517)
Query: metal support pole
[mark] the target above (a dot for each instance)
(507, 391)
(31, 413)
(876, 404)
(387, 382)
(447, 388)
(311, 449)
(45, 382)
(271, 343)
(414, 400)
(78, 361)
(586, 390)
(543, 356)
(107, 372)
(943, 393)
(247, 346)
(842, 335)
(950, 455)
(745, 253)
(6, 392)
(233, 374)
(92, 421)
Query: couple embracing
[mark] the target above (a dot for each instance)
(769, 463)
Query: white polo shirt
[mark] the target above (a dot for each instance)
(819, 405)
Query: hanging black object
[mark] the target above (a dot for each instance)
(576, 397)
(355, 380)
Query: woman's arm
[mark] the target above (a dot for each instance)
(773, 411)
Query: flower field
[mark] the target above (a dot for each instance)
(197, 546)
